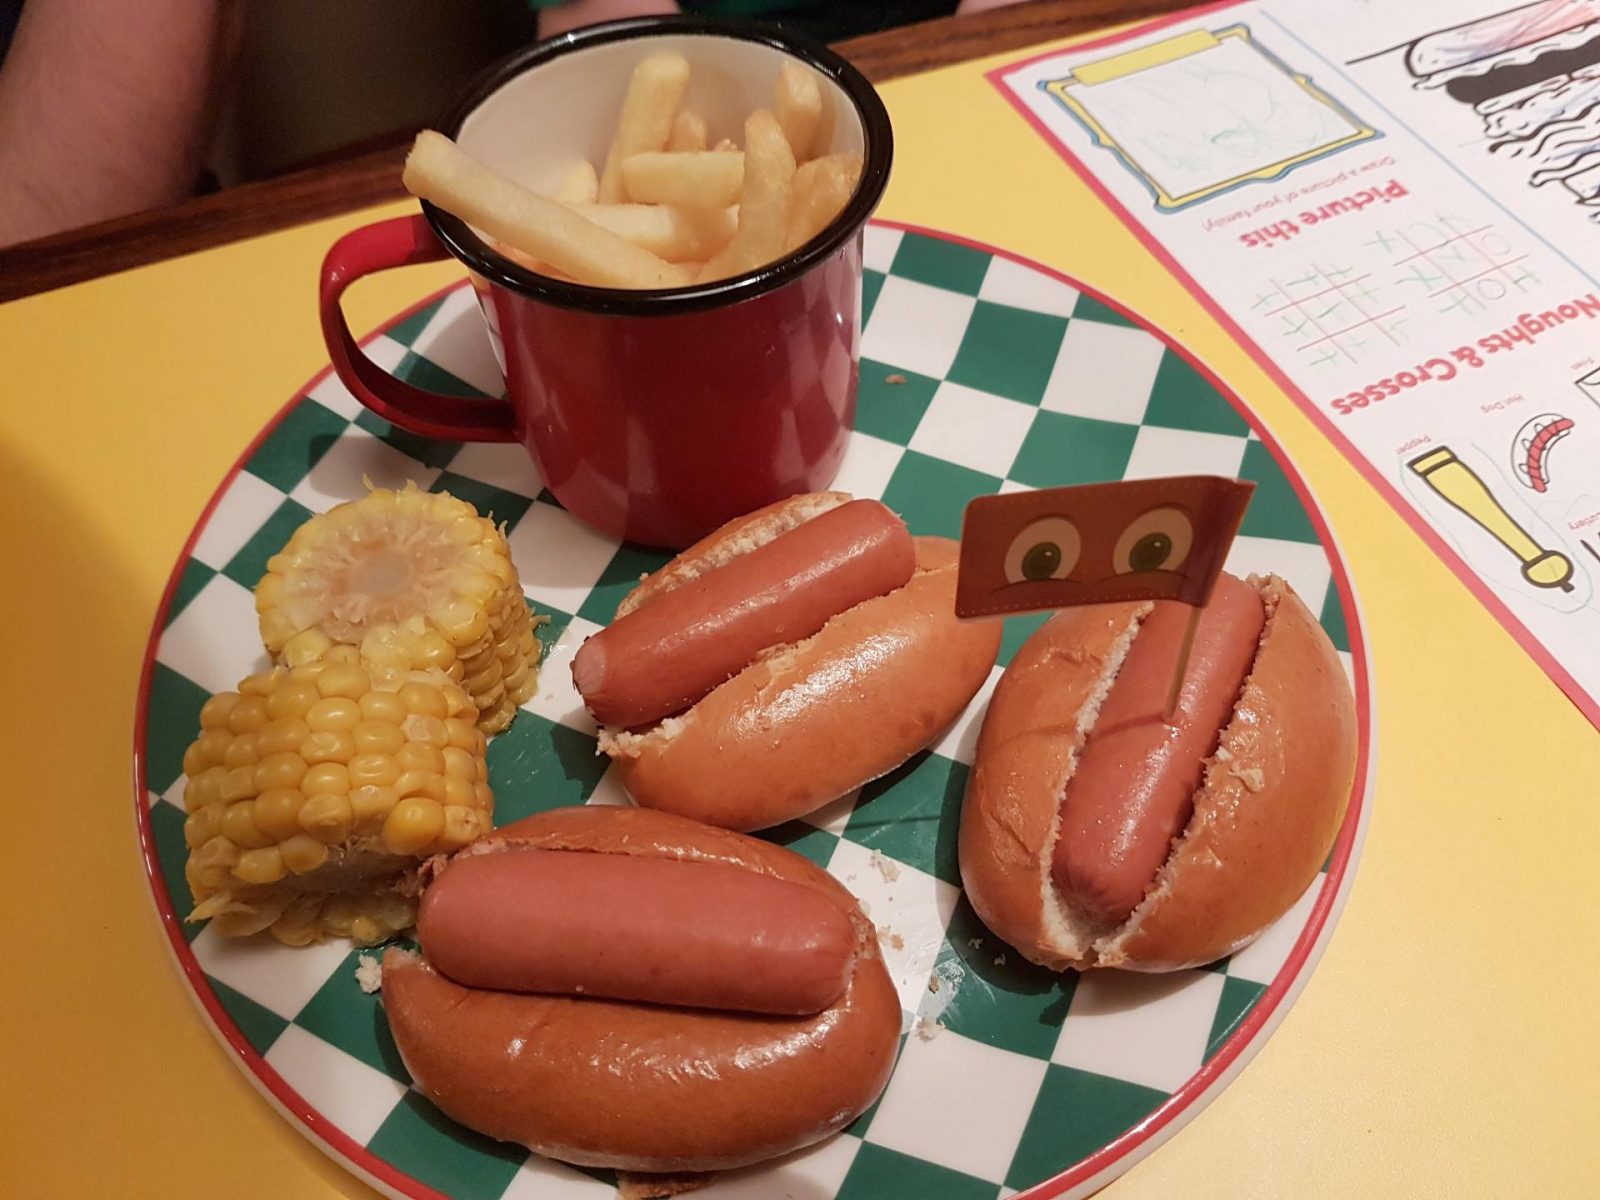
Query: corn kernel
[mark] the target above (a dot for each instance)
(364, 931)
(411, 782)
(518, 679)
(239, 826)
(378, 737)
(207, 751)
(463, 734)
(370, 804)
(214, 712)
(369, 769)
(383, 706)
(458, 764)
(414, 756)
(424, 700)
(278, 812)
(327, 817)
(342, 652)
(339, 916)
(457, 791)
(329, 745)
(482, 765)
(211, 865)
(325, 779)
(202, 825)
(333, 713)
(239, 784)
(298, 927)
(462, 622)
(414, 824)
(483, 797)
(259, 684)
(260, 866)
(426, 731)
(242, 751)
(485, 679)
(305, 646)
(282, 770)
(460, 827)
(346, 681)
(282, 734)
(392, 910)
(194, 759)
(248, 715)
(303, 853)
(204, 789)
(292, 700)
(434, 651)
(432, 786)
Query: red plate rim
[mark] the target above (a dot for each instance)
(1098, 1167)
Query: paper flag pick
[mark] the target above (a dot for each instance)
(1141, 539)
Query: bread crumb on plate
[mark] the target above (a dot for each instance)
(369, 973)
(887, 867)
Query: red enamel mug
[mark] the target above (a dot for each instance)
(651, 415)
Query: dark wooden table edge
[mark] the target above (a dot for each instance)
(373, 176)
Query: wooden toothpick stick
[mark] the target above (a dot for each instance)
(1182, 668)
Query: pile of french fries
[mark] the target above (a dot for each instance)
(665, 210)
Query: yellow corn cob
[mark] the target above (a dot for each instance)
(419, 581)
(314, 791)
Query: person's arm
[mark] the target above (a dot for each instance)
(106, 109)
(566, 17)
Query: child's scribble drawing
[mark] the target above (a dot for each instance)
(1204, 112)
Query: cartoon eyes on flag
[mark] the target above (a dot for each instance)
(1046, 549)
(1162, 539)
(1049, 548)
(1157, 541)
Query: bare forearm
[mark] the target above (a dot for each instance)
(105, 108)
(589, 12)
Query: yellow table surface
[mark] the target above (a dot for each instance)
(1446, 1045)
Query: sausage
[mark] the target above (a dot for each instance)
(667, 654)
(1133, 789)
(635, 1086)
(625, 927)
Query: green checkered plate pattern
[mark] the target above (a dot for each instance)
(979, 373)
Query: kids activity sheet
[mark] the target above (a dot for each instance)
(1396, 210)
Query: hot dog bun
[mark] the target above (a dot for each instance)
(678, 1090)
(1268, 808)
(814, 720)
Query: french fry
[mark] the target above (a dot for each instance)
(822, 144)
(654, 93)
(821, 188)
(689, 132)
(579, 185)
(677, 235)
(440, 171)
(692, 179)
(798, 107)
(764, 210)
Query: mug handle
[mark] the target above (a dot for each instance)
(398, 242)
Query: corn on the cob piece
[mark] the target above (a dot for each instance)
(420, 581)
(314, 791)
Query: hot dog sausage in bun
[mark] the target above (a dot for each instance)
(785, 660)
(615, 987)
(1096, 833)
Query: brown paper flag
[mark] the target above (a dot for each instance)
(1141, 539)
